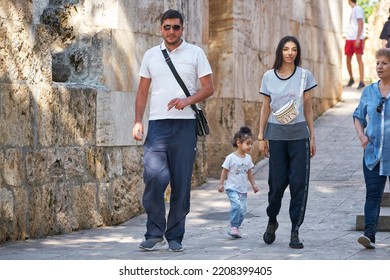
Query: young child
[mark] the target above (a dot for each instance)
(236, 170)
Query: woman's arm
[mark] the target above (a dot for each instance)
(308, 112)
(264, 115)
(360, 132)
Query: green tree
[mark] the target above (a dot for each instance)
(367, 6)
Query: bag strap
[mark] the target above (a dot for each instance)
(178, 79)
(298, 102)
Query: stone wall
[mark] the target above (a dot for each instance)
(68, 78)
(243, 38)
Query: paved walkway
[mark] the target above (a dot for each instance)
(336, 196)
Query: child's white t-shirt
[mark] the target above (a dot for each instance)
(238, 167)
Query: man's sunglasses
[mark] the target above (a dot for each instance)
(379, 108)
(174, 27)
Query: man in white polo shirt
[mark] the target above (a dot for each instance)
(170, 144)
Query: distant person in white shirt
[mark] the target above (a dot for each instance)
(354, 42)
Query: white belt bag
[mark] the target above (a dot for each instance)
(289, 111)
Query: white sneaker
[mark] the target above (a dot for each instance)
(366, 242)
(234, 232)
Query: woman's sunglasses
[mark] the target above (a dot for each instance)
(379, 108)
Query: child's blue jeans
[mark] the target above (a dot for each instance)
(237, 207)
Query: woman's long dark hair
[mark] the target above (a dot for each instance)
(279, 52)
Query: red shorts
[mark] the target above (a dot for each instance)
(350, 49)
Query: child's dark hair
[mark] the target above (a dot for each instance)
(242, 135)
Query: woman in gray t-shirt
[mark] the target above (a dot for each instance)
(289, 146)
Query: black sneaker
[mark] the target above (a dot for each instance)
(294, 241)
(350, 83)
(361, 85)
(367, 242)
(269, 235)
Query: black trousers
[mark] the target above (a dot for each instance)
(289, 165)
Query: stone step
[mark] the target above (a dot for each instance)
(383, 221)
(385, 202)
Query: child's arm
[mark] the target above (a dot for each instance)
(252, 181)
(222, 179)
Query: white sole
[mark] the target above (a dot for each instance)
(365, 241)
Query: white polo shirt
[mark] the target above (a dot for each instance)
(190, 62)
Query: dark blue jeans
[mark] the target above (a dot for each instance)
(375, 186)
(169, 155)
(289, 165)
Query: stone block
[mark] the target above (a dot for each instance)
(84, 206)
(96, 163)
(36, 166)
(132, 159)
(17, 10)
(126, 202)
(47, 108)
(385, 200)
(66, 116)
(19, 231)
(105, 197)
(1, 168)
(6, 213)
(115, 119)
(59, 164)
(25, 56)
(114, 162)
(16, 112)
(102, 13)
(383, 221)
(120, 67)
(74, 162)
(37, 225)
(66, 220)
(13, 212)
(13, 167)
(196, 22)
(147, 21)
(47, 208)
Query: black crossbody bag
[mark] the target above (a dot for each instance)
(202, 126)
